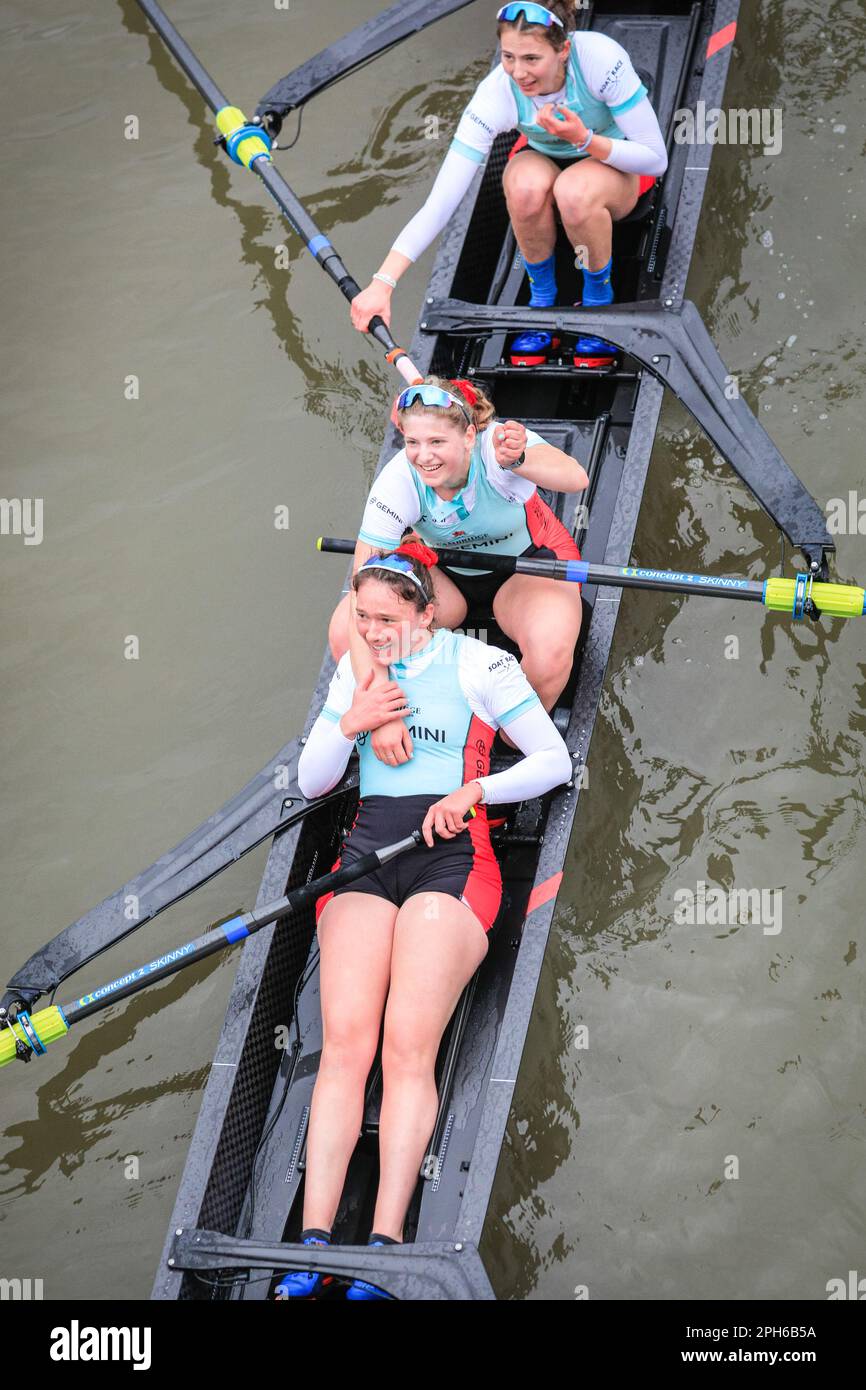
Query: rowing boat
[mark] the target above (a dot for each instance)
(245, 1171)
(237, 1216)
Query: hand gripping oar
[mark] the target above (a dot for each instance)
(250, 145)
(27, 1036)
(800, 597)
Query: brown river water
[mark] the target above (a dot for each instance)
(691, 1112)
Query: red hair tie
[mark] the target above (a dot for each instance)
(467, 390)
(417, 550)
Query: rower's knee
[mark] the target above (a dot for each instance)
(576, 204)
(547, 654)
(404, 1053)
(526, 199)
(349, 1050)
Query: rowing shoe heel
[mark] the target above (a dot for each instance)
(532, 349)
(305, 1283)
(359, 1291)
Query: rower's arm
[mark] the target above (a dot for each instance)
(394, 265)
(491, 110)
(546, 761)
(359, 653)
(326, 751)
(450, 187)
(549, 467)
(391, 742)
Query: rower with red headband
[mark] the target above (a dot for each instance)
(590, 145)
(398, 946)
(465, 480)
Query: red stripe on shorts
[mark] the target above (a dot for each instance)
(322, 902)
(545, 529)
(482, 892)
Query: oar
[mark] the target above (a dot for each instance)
(250, 145)
(270, 801)
(800, 596)
(27, 1036)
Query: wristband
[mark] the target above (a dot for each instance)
(510, 467)
(386, 279)
(580, 148)
(479, 784)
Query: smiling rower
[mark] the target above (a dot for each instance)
(399, 945)
(590, 145)
(468, 481)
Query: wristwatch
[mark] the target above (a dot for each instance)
(516, 464)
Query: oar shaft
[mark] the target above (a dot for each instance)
(184, 56)
(579, 572)
(236, 929)
(779, 594)
(250, 146)
(321, 248)
(34, 1034)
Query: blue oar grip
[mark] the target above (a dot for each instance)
(235, 929)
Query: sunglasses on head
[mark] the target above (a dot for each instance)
(533, 14)
(432, 395)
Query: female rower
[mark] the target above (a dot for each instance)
(590, 145)
(403, 942)
(468, 481)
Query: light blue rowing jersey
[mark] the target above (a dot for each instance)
(601, 86)
(595, 113)
(460, 691)
(496, 509)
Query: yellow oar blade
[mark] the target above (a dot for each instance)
(48, 1025)
(839, 600)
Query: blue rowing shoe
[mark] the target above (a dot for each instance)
(359, 1291)
(305, 1283)
(531, 349)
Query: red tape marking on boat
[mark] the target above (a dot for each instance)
(721, 39)
(543, 893)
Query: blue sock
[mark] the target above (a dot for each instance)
(542, 280)
(597, 288)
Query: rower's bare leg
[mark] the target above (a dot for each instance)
(438, 945)
(450, 604)
(356, 932)
(528, 182)
(543, 618)
(591, 197)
